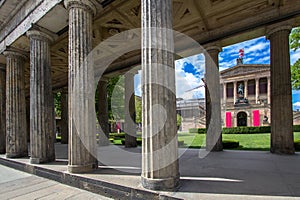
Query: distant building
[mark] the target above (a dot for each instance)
(245, 99)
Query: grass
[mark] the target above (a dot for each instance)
(247, 141)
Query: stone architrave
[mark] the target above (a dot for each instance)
(82, 127)
(103, 112)
(160, 168)
(130, 128)
(282, 137)
(64, 116)
(2, 109)
(213, 104)
(16, 135)
(42, 124)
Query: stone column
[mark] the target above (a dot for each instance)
(82, 127)
(16, 135)
(213, 104)
(130, 128)
(246, 89)
(2, 108)
(103, 112)
(269, 90)
(234, 91)
(224, 93)
(256, 90)
(64, 116)
(160, 168)
(42, 125)
(282, 137)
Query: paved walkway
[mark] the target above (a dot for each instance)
(218, 175)
(19, 185)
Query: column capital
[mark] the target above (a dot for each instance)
(213, 47)
(40, 33)
(271, 30)
(13, 52)
(86, 4)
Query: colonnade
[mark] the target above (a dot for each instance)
(160, 167)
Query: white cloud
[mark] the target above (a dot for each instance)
(295, 55)
(297, 104)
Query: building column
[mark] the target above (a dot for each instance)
(82, 127)
(269, 90)
(64, 116)
(234, 91)
(257, 90)
(130, 128)
(42, 125)
(224, 93)
(16, 129)
(282, 137)
(212, 96)
(103, 112)
(2, 109)
(160, 167)
(246, 89)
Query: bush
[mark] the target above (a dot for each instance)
(230, 144)
(247, 130)
(197, 130)
(296, 128)
(297, 145)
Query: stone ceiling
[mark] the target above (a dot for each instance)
(206, 21)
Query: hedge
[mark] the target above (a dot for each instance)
(297, 145)
(230, 144)
(242, 130)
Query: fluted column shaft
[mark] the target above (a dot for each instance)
(269, 90)
(16, 136)
(256, 90)
(246, 89)
(212, 97)
(234, 91)
(64, 116)
(160, 169)
(224, 92)
(130, 130)
(2, 109)
(82, 132)
(103, 112)
(42, 125)
(282, 137)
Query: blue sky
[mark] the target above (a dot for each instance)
(189, 71)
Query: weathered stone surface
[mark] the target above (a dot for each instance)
(2, 108)
(130, 129)
(213, 102)
(16, 136)
(64, 116)
(160, 169)
(282, 137)
(42, 125)
(82, 130)
(103, 112)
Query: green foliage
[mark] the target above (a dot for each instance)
(296, 128)
(115, 95)
(197, 130)
(295, 68)
(179, 120)
(230, 144)
(138, 109)
(247, 130)
(57, 104)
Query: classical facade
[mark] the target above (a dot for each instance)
(246, 95)
(48, 45)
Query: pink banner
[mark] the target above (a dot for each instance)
(228, 120)
(256, 118)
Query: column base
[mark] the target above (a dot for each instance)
(168, 184)
(40, 160)
(16, 155)
(130, 144)
(77, 169)
(283, 151)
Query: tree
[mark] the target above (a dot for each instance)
(295, 68)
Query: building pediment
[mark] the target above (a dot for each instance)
(244, 69)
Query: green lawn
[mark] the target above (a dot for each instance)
(247, 141)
